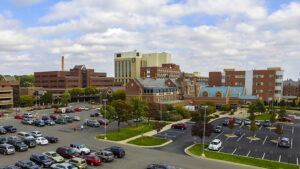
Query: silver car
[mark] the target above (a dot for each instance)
(63, 166)
(7, 149)
(105, 155)
(27, 121)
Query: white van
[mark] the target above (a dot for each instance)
(63, 110)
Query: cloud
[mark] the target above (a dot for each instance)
(26, 2)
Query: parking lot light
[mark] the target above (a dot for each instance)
(105, 100)
(203, 140)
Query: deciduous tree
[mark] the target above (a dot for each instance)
(123, 111)
(119, 95)
(139, 108)
(66, 97)
(27, 100)
(46, 98)
(197, 129)
(253, 127)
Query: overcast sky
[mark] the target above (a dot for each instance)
(201, 35)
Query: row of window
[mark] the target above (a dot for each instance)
(124, 67)
(165, 98)
(101, 80)
(254, 76)
(168, 70)
(54, 81)
(159, 90)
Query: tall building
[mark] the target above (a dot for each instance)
(265, 84)
(291, 88)
(9, 92)
(171, 71)
(128, 64)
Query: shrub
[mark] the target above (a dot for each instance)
(217, 116)
(165, 116)
(195, 116)
(182, 111)
(175, 117)
(56, 106)
(225, 108)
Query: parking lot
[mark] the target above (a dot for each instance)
(264, 148)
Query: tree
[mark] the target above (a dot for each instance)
(27, 100)
(209, 103)
(231, 125)
(170, 107)
(25, 80)
(197, 129)
(182, 111)
(252, 116)
(66, 97)
(278, 130)
(298, 102)
(282, 112)
(91, 90)
(253, 127)
(77, 91)
(260, 107)
(123, 111)
(46, 98)
(139, 108)
(273, 117)
(282, 103)
(110, 112)
(252, 108)
(158, 126)
(119, 95)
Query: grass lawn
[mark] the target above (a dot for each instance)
(127, 132)
(148, 141)
(197, 150)
(265, 116)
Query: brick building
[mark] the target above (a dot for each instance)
(9, 92)
(291, 88)
(265, 84)
(171, 71)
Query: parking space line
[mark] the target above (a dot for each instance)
(221, 149)
(234, 151)
(279, 158)
(252, 140)
(265, 140)
(227, 138)
(291, 143)
(260, 127)
(297, 161)
(293, 130)
(219, 134)
(263, 156)
(240, 137)
(248, 153)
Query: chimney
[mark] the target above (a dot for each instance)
(62, 63)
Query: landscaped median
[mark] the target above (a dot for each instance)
(148, 141)
(196, 150)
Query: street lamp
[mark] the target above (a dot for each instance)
(105, 100)
(203, 140)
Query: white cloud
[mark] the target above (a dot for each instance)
(26, 2)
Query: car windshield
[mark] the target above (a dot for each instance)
(82, 146)
(218, 127)
(54, 155)
(30, 164)
(215, 143)
(20, 144)
(71, 151)
(43, 158)
(27, 135)
(43, 139)
(96, 157)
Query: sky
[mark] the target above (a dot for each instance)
(201, 35)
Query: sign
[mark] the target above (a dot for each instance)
(133, 60)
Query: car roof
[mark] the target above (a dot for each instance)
(77, 144)
(284, 138)
(216, 140)
(78, 159)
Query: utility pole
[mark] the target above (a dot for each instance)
(203, 140)
(105, 100)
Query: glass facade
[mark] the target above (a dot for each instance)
(129, 68)
(126, 69)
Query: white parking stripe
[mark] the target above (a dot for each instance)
(279, 158)
(248, 153)
(291, 143)
(221, 149)
(263, 156)
(240, 137)
(265, 140)
(293, 130)
(234, 151)
(227, 138)
(252, 140)
(219, 134)
(297, 161)
(260, 127)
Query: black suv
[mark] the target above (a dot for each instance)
(117, 151)
(27, 164)
(41, 160)
(10, 129)
(3, 140)
(30, 142)
(19, 145)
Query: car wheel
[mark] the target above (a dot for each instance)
(92, 164)
(42, 165)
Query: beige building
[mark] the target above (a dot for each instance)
(128, 64)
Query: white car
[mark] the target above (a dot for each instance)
(216, 144)
(76, 118)
(80, 148)
(28, 115)
(41, 141)
(36, 134)
(84, 108)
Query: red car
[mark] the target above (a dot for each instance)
(1, 114)
(53, 117)
(103, 122)
(67, 152)
(92, 159)
(284, 119)
(179, 126)
(19, 116)
(57, 111)
(77, 109)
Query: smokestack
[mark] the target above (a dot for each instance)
(63, 63)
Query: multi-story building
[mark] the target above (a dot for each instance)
(265, 84)
(128, 64)
(171, 71)
(9, 92)
(291, 88)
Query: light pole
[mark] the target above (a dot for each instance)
(203, 140)
(105, 100)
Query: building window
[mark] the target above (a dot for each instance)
(239, 83)
(278, 84)
(205, 94)
(270, 83)
(278, 76)
(228, 84)
(240, 76)
(129, 68)
(218, 94)
(259, 83)
(227, 76)
(258, 76)
(122, 68)
(119, 55)
(271, 76)
(277, 91)
(270, 91)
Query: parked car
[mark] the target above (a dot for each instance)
(19, 116)
(63, 166)
(3, 140)
(27, 164)
(284, 119)
(54, 156)
(36, 134)
(41, 141)
(10, 167)
(106, 156)
(53, 117)
(80, 148)
(103, 122)
(181, 126)
(218, 129)
(19, 145)
(1, 114)
(52, 139)
(92, 159)
(24, 135)
(226, 122)
(216, 144)
(39, 123)
(238, 133)
(7, 149)
(76, 118)
(257, 122)
(28, 115)
(69, 119)
(41, 160)
(69, 111)
(77, 109)
(92, 123)
(27, 121)
(45, 118)
(13, 138)
(84, 108)
(49, 122)
(58, 111)
(94, 114)
(239, 121)
(63, 116)
(247, 122)
(267, 123)
(30, 142)
(67, 152)
(10, 129)
(61, 121)
(160, 166)
(2, 130)
(117, 151)
(284, 142)
(78, 162)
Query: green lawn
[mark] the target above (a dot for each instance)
(265, 116)
(197, 150)
(127, 132)
(148, 141)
